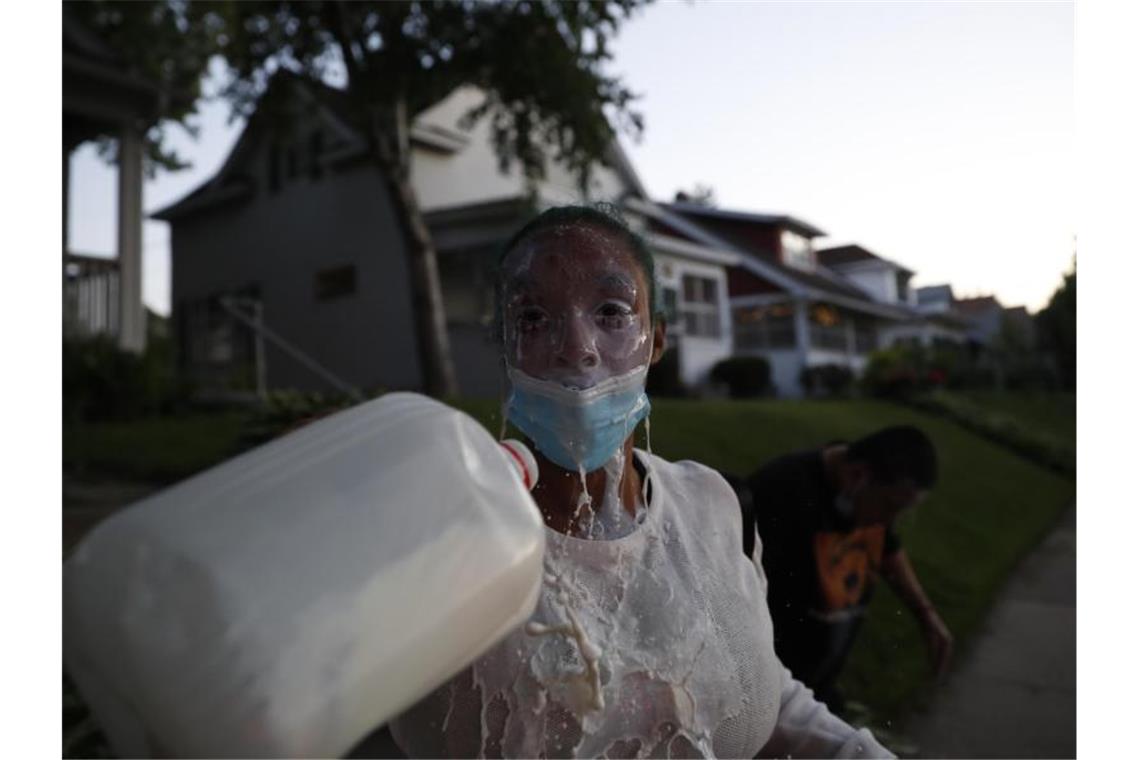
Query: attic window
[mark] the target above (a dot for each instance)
(797, 250)
(335, 283)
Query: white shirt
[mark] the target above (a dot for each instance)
(655, 644)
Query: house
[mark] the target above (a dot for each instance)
(779, 301)
(102, 98)
(296, 236)
(888, 282)
(983, 316)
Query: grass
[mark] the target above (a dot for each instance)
(990, 508)
(157, 450)
(1051, 413)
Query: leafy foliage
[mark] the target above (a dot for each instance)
(166, 43)
(102, 382)
(540, 64)
(1057, 328)
(832, 380)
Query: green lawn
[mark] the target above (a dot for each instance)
(990, 507)
(162, 450)
(1052, 413)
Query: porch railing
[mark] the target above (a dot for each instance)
(90, 295)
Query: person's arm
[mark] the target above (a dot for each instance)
(899, 575)
(806, 728)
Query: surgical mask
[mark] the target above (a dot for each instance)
(578, 428)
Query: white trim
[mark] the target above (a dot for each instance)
(760, 269)
(759, 299)
(691, 250)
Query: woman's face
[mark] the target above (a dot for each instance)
(576, 307)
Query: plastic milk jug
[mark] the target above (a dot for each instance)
(291, 600)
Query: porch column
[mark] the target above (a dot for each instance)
(849, 333)
(803, 335)
(66, 214)
(132, 316)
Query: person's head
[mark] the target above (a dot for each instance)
(888, 472)
(576, 298)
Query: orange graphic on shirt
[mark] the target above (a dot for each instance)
(844, 562)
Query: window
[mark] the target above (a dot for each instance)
(902, 286)
(465, 279)
(797, 250)
(700, 306)
(764, 327)
(335, 283)
(828, 328)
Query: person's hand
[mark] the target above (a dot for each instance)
(939, 641)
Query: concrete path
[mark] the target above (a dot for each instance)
(1013, 691)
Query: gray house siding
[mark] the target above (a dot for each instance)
(278, 241)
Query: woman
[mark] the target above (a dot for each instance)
(651, 637)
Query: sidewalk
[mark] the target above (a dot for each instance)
(1013, 691)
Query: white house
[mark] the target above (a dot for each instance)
(778, 300)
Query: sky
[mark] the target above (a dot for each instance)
(938, 135)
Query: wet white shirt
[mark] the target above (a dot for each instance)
(655, 644)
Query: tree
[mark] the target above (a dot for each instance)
(1057, 327)
(539, 62)
(162, 42)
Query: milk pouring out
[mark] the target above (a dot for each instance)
(290, 600)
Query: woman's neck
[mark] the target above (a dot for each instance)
(559, 491)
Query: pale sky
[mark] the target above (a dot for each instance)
(939, 135)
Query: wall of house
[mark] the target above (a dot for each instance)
(472, 174)
(856, 362)
(278, 241)
(697, 354)
(879, 282)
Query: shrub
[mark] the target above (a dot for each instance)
(1039, 446)
(745, 376)
(832, 380)
(664, 379)
(285, 410)
(101, 382)
(892, 373)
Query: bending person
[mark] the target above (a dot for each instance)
(652, 635)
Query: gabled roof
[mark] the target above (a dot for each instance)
(976, 305)
(778, 220)
(338, 105)
(675, 221)
(841, 256)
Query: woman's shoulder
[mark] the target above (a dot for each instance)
(696, 483)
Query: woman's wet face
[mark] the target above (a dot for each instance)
(576, 306)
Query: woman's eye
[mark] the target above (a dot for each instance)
(531, 319)
(614, 315)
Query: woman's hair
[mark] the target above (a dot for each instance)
(603, 216)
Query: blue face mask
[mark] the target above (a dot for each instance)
(578, 428)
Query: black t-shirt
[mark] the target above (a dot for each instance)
(819, 565)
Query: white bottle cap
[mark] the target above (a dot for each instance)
(523, 459)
